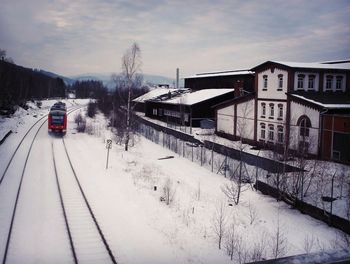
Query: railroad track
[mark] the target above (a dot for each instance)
(11, 183)
(87, 241)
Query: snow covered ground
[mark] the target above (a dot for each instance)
(139, 227)
(317, 178)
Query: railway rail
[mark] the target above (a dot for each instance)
(10, 187)
(87, 241)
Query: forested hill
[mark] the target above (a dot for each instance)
(19, 84)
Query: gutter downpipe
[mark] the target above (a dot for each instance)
(320, 135)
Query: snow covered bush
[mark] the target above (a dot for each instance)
(168, 191)
(81, 122)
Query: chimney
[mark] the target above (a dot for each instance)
(177, 78)
(238, 86)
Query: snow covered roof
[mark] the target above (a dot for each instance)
(344, 104)
(316, 65)
(198, 96)
(155, 92)
(220, 73)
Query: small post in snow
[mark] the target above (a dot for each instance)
(108, 147)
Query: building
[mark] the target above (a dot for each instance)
(302, 106)
(139, 102)
(224, 79)
(186, 108)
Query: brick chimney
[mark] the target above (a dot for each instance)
(238, 86)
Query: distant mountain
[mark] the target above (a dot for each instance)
(107, 80)
(67, 81)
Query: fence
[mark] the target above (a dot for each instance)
(216, 157)
(315, 212)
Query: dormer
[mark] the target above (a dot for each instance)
(334, 82)
(306, 81)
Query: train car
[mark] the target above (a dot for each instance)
(57, 121)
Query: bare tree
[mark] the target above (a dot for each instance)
(219, 222)
(243, 130)
(279, 245)
(3, 56)
(258, 251)
(253, 213)
(309, 243)
(230, 243)
(131, 65)
(231, 190)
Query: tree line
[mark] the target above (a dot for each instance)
(19, 84)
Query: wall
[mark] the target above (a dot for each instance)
(272, 84)
(297, 110)
(225, 120)
(245, 119)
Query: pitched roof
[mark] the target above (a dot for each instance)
(220, 73)
(154, 93)
(325, 100)
(196, 97)
(342, 65)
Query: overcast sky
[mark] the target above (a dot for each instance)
(72, 37)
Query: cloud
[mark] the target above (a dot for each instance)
(73, 37)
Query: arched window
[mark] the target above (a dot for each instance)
(329, 81)
(280, 82)
(301, 81)
(262, 130)
(265, 82)
(304, 124)
(339, 83)
(271, 133)
(280, 134)
(272, 110)
(263, 109)
(280, 111)
(311, 82)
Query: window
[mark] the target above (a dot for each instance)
(186, 117)
(262, 130)
(303, 147)
(154, 111)
(280, 111)
(241, 91)
(338, 83)
(304, 124)
(311, 82)
(329, 80)
(280, 82)
(265, 82)
(271, 132)
(280, 134)
(301, 81)
(272, 110)
(336, 155)
(263, 109)
(160, 111)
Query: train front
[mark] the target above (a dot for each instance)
(57, 121)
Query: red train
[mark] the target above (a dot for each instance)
(57, 121)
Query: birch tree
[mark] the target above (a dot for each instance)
(131, 65)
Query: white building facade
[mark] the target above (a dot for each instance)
(290, 104)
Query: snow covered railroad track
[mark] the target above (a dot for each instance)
(10, 188)
(12, 182)
(87, 242)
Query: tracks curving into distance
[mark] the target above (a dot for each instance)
(17, 190)
(73, 199)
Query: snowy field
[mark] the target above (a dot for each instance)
(151, 209)
(317, 177)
